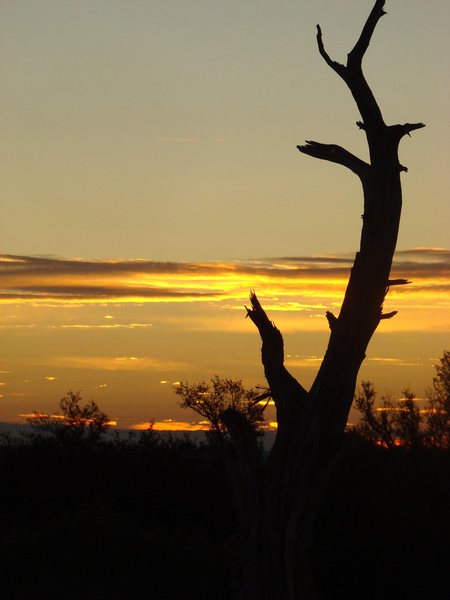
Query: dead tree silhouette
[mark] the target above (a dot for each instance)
(280, 498)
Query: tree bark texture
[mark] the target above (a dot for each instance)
(280, 499)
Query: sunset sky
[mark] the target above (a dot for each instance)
(150, 179)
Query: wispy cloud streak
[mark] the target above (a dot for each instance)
(28, 278)
(119, 363)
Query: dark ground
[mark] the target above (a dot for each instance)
(152, 518)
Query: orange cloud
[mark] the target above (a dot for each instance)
(33, 279)
(297, 290)
(37, 415)
(171, 425)
(116, 363)
(101, 326)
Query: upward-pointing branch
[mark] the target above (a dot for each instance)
(340, 69)
(286, 391)
(355, 57)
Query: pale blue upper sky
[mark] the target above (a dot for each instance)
(168, 129)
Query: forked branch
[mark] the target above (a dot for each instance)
(354, 58)
(353, 76)
(398, 131)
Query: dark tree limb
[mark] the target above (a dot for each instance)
(287, 393)
(399, 131)
(392, 282)
(336, 154)
(388, 315)
(353, 76)
(273, 353)
(337, 67)
(356, 55)
(332, 320)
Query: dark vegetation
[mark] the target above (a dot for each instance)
(139, 517)
(406, 423)
(212, 400)
(91, 516)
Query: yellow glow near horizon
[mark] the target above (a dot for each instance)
(308, 287)
(136, 324)
(57, 417)
(171, 425)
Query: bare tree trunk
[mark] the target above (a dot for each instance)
(280, 499)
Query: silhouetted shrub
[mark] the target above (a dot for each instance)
(75, 423)
(402, 423)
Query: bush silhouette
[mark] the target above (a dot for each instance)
(75, 423)
(402, 423)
